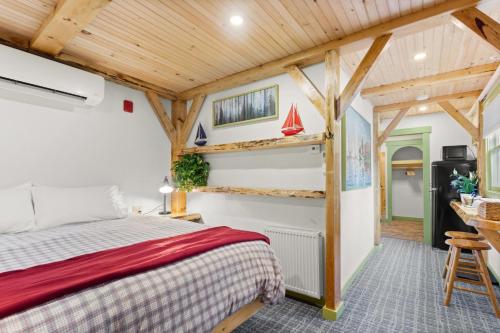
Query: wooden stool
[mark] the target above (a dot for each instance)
(459, 235)
(478, 267)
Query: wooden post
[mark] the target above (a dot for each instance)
(481, 151)
(179, 113)
(376, 178)
(333, 305)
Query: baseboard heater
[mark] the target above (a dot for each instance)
(301, 255)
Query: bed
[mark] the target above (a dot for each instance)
(192, 295)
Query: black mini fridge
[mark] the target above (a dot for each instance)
(444, 217)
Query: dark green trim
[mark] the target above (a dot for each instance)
(408, 218)
(410, 131)
(306, 299)
(358, 270)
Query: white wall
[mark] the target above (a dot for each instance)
(445, 132)
(294, 168)
(101, 146)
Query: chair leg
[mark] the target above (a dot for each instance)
(455, 256)
(447, 262)
(448, 270)
(486, 278)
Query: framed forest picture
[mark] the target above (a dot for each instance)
(257, 105)
(356, 151)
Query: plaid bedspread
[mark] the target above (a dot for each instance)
(192, 295)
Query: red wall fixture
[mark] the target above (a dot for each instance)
(128, 106)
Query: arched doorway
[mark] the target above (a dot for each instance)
(410, 148)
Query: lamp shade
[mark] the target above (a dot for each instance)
(166, 187)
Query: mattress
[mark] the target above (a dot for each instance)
(191, 295)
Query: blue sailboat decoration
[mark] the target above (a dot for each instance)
(201, 137)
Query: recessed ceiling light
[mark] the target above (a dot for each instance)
(422, 97)
(420, 56)
(422, 108)
(236, 20)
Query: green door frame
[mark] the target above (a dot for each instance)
(421, 143)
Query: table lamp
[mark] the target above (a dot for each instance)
(164, 189)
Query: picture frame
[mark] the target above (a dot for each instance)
(250, 107)
(356, 151)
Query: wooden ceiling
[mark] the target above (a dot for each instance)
(182, 44)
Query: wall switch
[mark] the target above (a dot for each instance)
(314, 149)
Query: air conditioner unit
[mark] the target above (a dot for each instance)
(28, 78)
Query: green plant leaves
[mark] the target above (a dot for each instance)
(190, 171)
(464, 184)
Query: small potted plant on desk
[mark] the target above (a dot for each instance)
(466, 186)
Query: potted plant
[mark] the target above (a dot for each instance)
(190, 171)
(465, 185)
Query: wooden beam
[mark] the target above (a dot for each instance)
(162, 116)
(20, 43)
(68, 18)
(308, 88)
(358, 78)
(400, 26)
(481, 24)
(436, 99)
(286, 142)
(179, 114)
(492, 82)
(460, 74)
(333, 186)
(267, 192)
(192, 115)
(392, 125)
(230, 323)
(408, 164)
(460, 118)
(376, 179)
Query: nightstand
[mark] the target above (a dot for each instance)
(195, 217)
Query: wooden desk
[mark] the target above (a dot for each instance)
(488, 228)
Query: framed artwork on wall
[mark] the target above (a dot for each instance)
(356, 151)
(256, 105)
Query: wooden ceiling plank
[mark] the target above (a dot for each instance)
(162, 116)
(460, 74)
(359, 76)
(176, 51)
(64, 23)
(191, 117)
(392, 125)
(481, 24)
(315, 54)
(308, 88)
(460, 118)
(436, 99)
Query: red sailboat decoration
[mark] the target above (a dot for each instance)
(293, 123)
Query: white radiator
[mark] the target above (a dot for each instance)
(301, 255)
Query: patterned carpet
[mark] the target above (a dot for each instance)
(399, 290)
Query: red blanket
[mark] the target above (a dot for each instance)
(22, 289)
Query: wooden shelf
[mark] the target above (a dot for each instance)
(289, 141)
(306, 194)
(407, 164)
(193, 217)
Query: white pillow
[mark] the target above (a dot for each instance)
(16, 209)
(58, 205)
